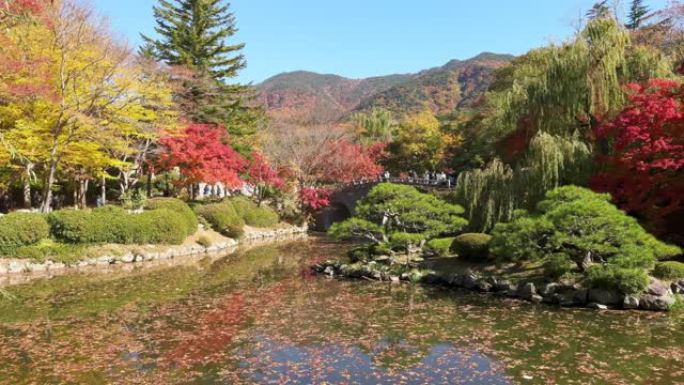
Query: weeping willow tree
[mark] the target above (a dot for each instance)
(374, 126)
(492, 194)
(539, 113)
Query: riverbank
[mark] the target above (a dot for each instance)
(523, 284)
(204, 242)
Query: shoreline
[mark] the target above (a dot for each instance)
(13, 271)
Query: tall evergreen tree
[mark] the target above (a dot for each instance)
(637, 14)
(194, 36)
(599, 10)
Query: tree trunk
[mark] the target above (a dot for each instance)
(149, 184)
(47, 191)
(27, 186)
(83, 193)
(103, 191)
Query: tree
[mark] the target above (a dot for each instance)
(194, 38)
(391, 209)
(202, 154)
(638, 12)
(345, 162)
(70, 92)
(419, 145)
(263, 176)
(644, 166)
(575, 226)
(599, 10)
(374, 126)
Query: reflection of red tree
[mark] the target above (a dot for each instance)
(209, 338)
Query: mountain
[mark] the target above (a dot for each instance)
(307, 97)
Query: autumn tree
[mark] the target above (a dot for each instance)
(202, 154)
(194, 37)
(644, 167)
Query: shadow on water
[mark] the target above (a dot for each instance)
(259, 316)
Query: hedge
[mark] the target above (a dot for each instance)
(473, 246)
(115, 225)
(669, 270)
(189, 219)
(22, 229)
(252, 214)
(223, 218)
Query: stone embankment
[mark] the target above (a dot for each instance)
(144, 253)
(657, 297)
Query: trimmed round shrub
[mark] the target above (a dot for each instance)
(439, 247)
(189, 219)
(223, 218)
(402, 241)
(161, 226)
(22, 229)
(669, 270)
(262, 217)
(242, 205)
(473, 246)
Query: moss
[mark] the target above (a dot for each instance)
(472, 246)
(439, 247)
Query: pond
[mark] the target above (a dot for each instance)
(259, 316)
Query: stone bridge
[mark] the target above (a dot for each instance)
(343, 201)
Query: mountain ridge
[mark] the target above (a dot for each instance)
(306, 97)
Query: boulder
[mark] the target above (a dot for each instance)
(469, 281)
(527, 290)
(483, 285)
(536, 298)
(597, 306)
(505, 286)
(329, 270)
(432, 278)
(455, 280)
(657, 288)
(630, 302)
(677, 287)
(550, 289)
(605, 297)
(656, 303)
(581, 297)
(394, 279)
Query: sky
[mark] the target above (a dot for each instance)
(362, 38)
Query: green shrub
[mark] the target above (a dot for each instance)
(189, 219)
(557, 265)
(473, 246)
(161, 226)
(380, 249)
(669, 270)
(402, 241)
(49, 249)
(223, 218)
(115, 225)
(624, 280)
(262, 217)
(21, 229)
(242, 205)
(439, 247)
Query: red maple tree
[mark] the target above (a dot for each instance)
(346, 162)
(644, 167)
(203, 154)
(314, 198)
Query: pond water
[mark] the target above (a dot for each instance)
(259, 316)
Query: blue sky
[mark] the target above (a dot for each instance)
(361, 38)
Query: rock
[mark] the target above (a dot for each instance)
(678, 286)
(657, 288)
(597, 306)
(16, 267)
(329, 270)
(550, 289)
(105, 260)
(469, 281)
(630, 302)
(3, 270)
(656, 303)
(565, 298)
(580, 297)
(455, 280)
(36, 267)
(432, 278)
(536, 298)
(606, 297)
(506, 286)
(395, 279)
(483, 285)
(527, 290)
(385, 259)
(127, 258)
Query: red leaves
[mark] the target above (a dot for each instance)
(313, 198)
(346, 162)
(203, 154)
(643, 170)
(262, 174)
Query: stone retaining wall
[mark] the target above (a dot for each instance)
(22, 266)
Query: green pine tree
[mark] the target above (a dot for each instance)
(599, 10)
(637, 14)
(194, 35)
